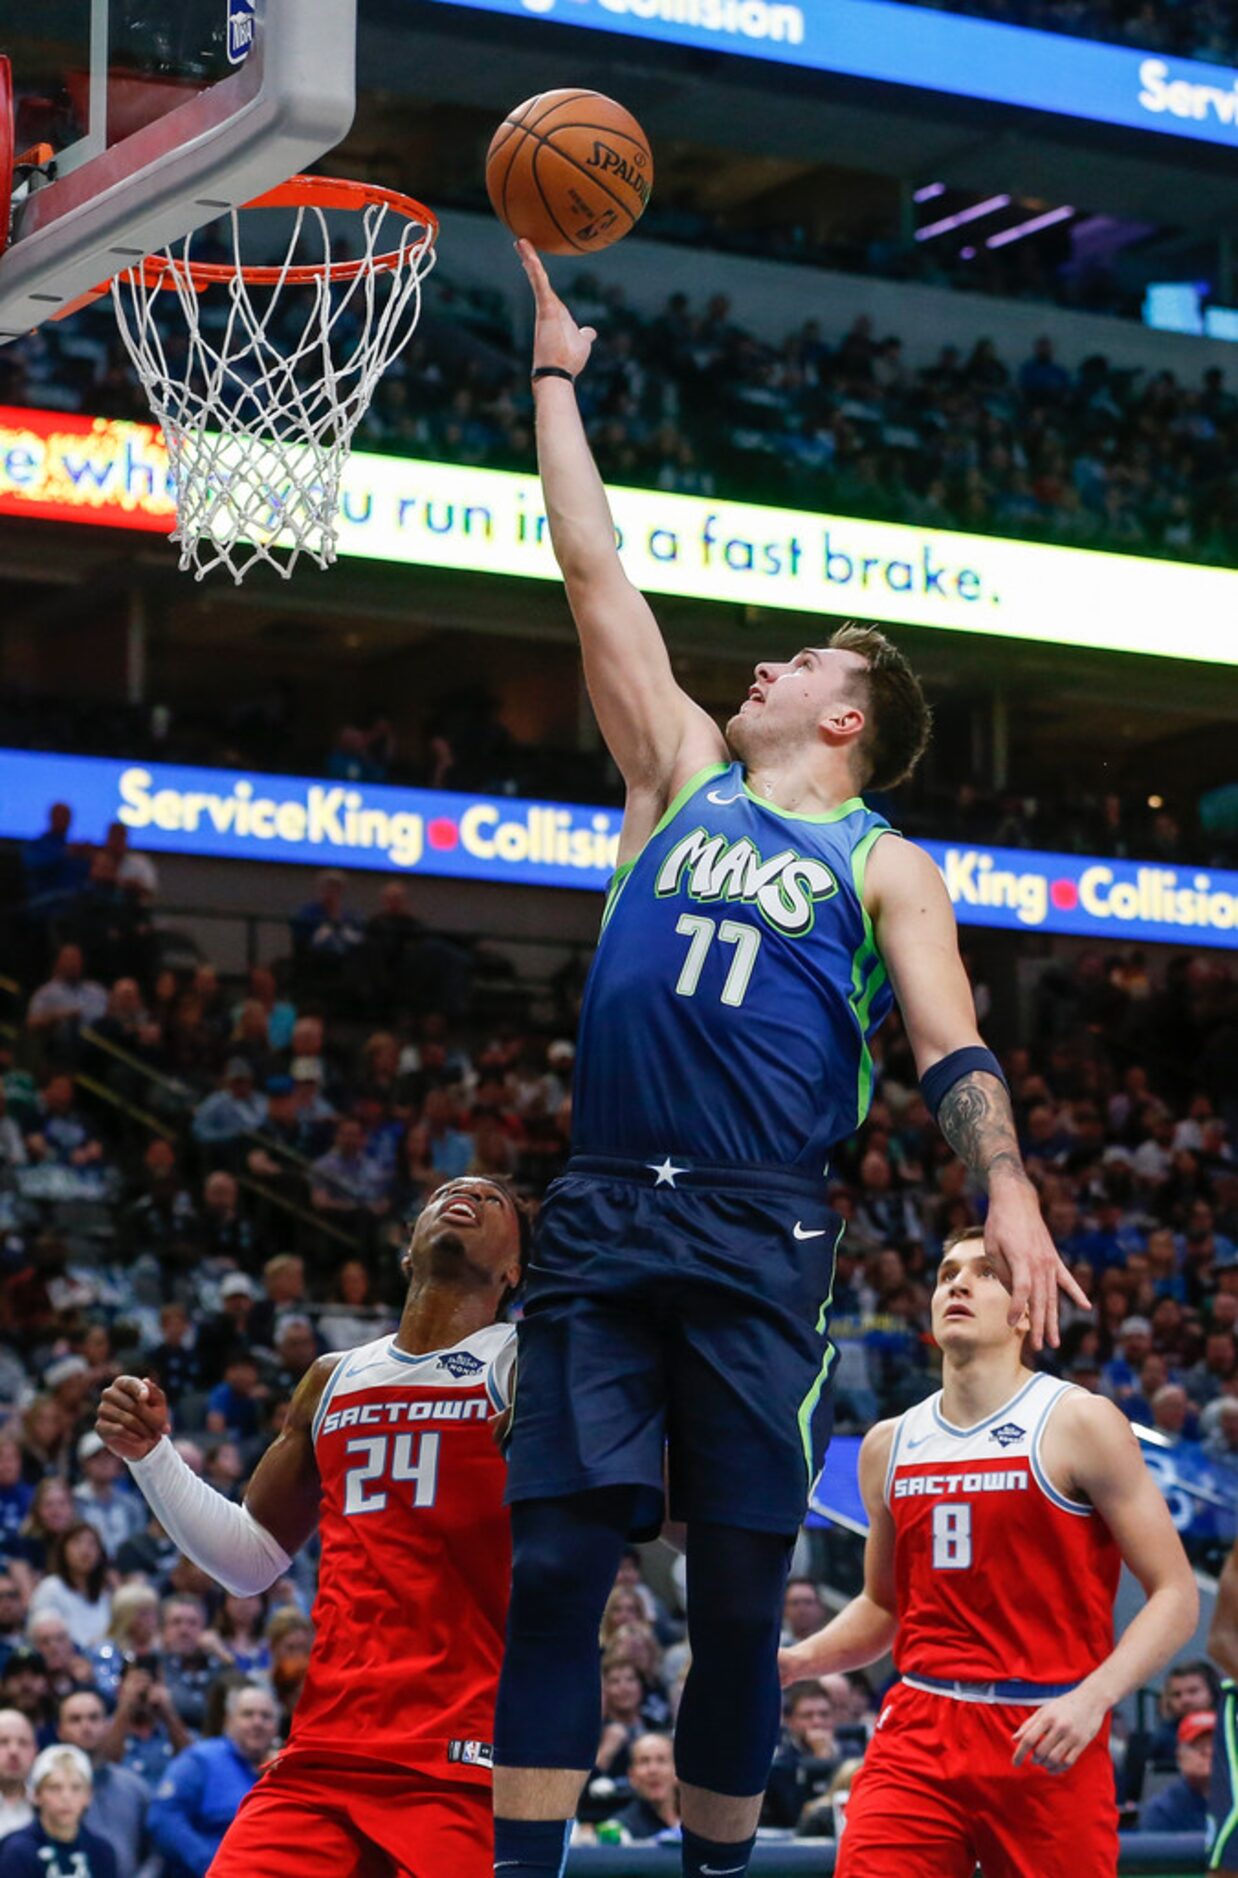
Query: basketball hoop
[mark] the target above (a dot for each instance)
(259, 409)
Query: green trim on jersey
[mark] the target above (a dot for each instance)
(1227, 1828)
(685, 795)
(868, 971)
(619, 878)
(839, 814)
(808, 1407)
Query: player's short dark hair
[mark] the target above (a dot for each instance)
(898, 719)
(524, 1225)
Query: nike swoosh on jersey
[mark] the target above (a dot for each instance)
(722, 802)
(720, 1871)
(918, 1444)
(808, 1232)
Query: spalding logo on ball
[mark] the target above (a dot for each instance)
(569, 171)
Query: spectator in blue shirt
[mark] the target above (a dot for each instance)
(16, 1494)
(232, 1407)
(1110, 1242)
(1164, 1265)
(1120, 1376)
(350, 1176)
(118, 1804)
(325, 930)
(1182, 1806)
(198, 1797)
(57, 1844)
(232, 1111)
(54, 871)
(1041, 379)
(1153, 1375)
(145, 1733)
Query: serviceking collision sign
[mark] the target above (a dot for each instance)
(248, 816)
(931, 51)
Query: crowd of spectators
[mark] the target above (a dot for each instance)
(209, 1181)
(826, 419)
(1187, 29)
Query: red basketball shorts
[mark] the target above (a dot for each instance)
(938, 1795)
(314, 1818)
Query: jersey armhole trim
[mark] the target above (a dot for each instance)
(619, 878)
(499, 1400)
(894, 1446)
(682, 797)
(1077, 1507)
(868, 972)
(335, 1376)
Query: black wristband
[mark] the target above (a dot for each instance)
(552, 371)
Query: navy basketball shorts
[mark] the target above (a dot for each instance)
(675, 1309)
(1223, 1793)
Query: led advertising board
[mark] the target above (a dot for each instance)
(250, 816)
(95, 470)
(929, 50)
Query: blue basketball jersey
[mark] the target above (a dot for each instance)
(736, 985)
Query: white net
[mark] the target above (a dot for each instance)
(259, 384)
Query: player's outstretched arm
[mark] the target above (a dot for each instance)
(917, 936)
(863, 1631)
(244, 1548)
(1091, 1454)
(656, 734)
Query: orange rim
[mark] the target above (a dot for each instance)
(300, 192)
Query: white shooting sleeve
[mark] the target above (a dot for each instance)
(221, 1537)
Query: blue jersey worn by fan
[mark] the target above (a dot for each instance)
(723, 1052)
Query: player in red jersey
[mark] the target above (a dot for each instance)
(388, 1449)
(1001, 1510)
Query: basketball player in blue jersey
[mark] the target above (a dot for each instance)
(756, 931)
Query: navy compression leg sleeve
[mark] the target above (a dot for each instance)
(565, 1553)
(732, 1705)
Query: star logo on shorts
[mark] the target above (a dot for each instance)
(665, 1171)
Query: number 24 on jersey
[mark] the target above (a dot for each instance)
(405, 1460)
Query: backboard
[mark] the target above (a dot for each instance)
(161, 114)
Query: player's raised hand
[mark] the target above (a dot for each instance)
(1015, 1232)
(132, 1418)
(1055, 1735)
(557, 339)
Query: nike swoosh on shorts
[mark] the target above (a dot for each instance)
(804, 1232)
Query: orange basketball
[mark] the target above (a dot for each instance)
(570, 171)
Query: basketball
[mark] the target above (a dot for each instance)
(570, 171)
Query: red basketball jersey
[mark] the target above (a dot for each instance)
(998, 1576)
(416, 1557)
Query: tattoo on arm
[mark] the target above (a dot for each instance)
(977, 1121)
